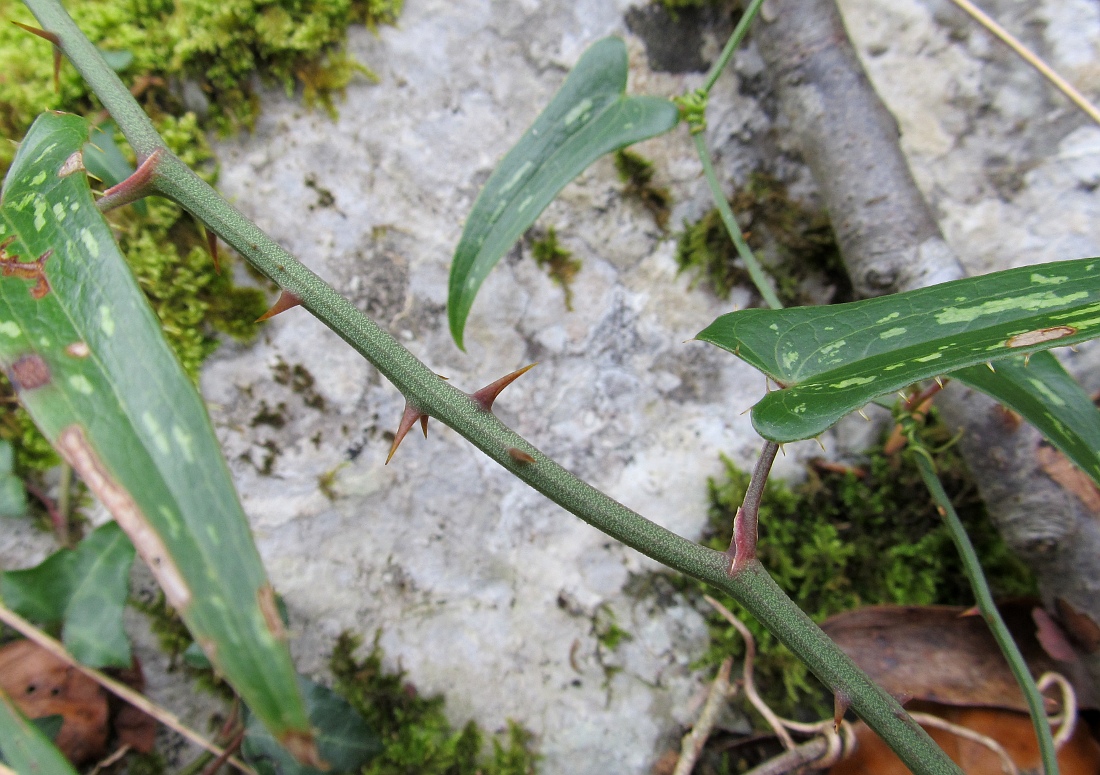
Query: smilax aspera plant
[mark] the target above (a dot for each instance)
(87, 360)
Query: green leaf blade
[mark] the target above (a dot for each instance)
(1041, 391)
(93, 630)
(85, 352)
(13, 495)
(589, 116)
(25, 747)
(832, 360)
(85, 590)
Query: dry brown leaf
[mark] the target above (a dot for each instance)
(43, 685)
(132, 726)
(933, 653)
(1059, 468)
(1079, 756)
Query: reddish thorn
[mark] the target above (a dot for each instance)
(56, 41)
(286, 300)
(743, 545)
(135, 187)
(519, 455)
(408, 419)
(971, 611)
(212, 243)
(841, 702)
(488, 394)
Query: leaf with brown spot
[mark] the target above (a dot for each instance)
(1059, 468)
(129, 420)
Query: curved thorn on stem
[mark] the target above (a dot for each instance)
(408, 419)
(286, 300)
(488, 394)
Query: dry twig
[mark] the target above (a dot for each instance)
(692, 744)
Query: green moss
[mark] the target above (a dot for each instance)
(417, 736)
(174, 639)
(558, 262)
(795, 243)
(842, 540)
(637, 173)
(145, 764)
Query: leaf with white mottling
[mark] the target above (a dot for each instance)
(1050, 399)
(832, 360)
(89, 362)
(590, 116)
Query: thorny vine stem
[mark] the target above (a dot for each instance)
(746, 520)
(752, 587)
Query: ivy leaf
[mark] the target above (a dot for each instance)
(25, 747)
(13, 496)
(590, 116)
(1041, 391)
(832, 360)
(89, 362)
(84, 590)
(345, 740)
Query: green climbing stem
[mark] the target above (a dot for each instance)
(984, 599)
(753, 587)
(756, 272)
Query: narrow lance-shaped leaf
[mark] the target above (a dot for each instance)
(86, 356)
(833, 360)
(86, 590)
(590, 116)
(1048, 398)
(24, 747)
(13, 495)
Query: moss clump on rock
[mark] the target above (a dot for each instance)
(793, 240)
(846, 538)
(416, 734)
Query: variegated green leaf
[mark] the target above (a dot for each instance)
(25, 748)
(590, 116)
(1041, 391)
(86, 356)
(832, 360)
(85, 590)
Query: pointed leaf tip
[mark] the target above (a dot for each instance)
(212, 243)
(488, 394)
(591, 115)
(286, 300)
(409, 418)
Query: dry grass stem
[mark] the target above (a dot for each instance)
(692, 744)
(777, 724)
(930, 720)
(1031, 58)
(1066, 720)
(142, 703)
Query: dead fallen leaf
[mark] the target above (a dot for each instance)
(132, 726)
(1079, 756)
(1069, 477)
(43, 685)
(933, 653)
(1084, 631)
